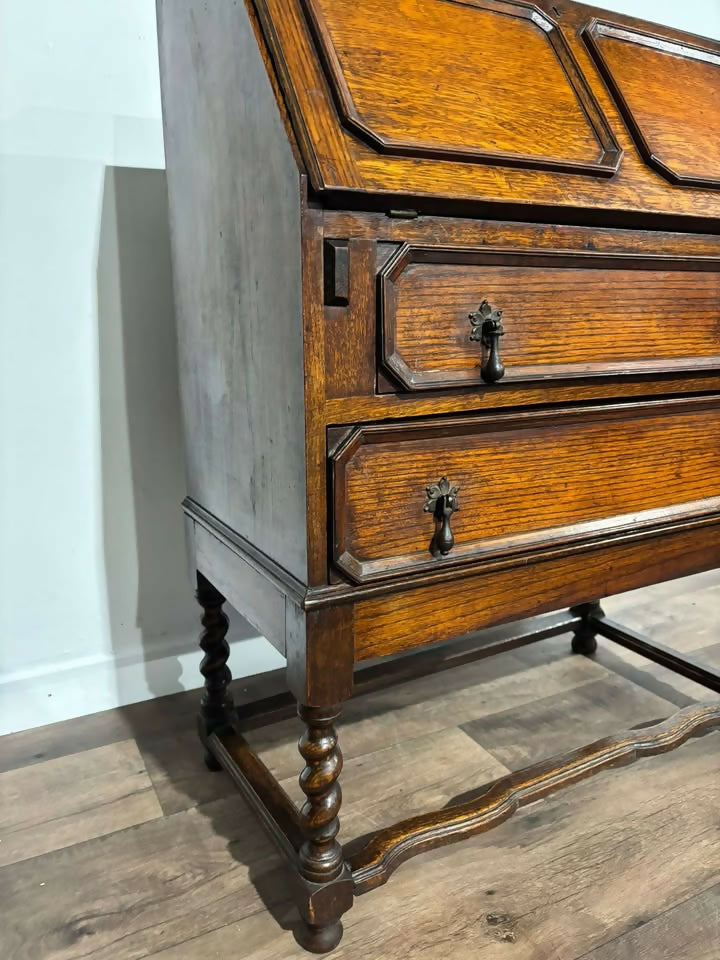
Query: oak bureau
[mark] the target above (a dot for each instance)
(448, 292)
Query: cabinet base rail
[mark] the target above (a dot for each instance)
(368, 862)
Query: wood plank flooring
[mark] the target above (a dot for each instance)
(117, 844)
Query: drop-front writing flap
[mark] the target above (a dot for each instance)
(483, 81)
(669, 95)
(500, 101)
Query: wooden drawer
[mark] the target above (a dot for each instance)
(565, 314)
(526, 481)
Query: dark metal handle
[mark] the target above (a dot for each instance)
(487, 328)
(442, 502)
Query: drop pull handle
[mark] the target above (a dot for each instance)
(487, 328)
(442, 502)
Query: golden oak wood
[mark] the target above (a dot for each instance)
(387, 622)
(525, 481)
(343, 162)
(452, 253)
(661, 87)
(563, 316)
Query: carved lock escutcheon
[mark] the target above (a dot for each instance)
(487, 327)
(442, 502)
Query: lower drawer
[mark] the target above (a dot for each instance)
(416, 495)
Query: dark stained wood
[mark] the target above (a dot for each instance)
(525, 481)
(236, 574)
(216, 705)
(683, 664)
(204, 880)
(320, 654)
(237, 277)
(564, 316)
(320, 857)
(373, 864)
(281, 704)
(653, 79)
(262, 791)
(584, 636)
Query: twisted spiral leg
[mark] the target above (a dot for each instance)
(321, 856)
(216, 703)
(584, 640)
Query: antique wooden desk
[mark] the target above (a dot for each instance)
(448, 290)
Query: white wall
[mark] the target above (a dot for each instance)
(95, 604)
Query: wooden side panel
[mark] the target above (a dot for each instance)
(525, 481)
(262, 603)
(667, 92)
(235, 217)
(563, 316)
(408, 619)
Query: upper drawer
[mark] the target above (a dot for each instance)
(453, 317)
(524, 482)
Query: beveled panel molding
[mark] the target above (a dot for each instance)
(378, 77)
(661, 87)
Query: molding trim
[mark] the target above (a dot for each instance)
(609, 155)
(373, 864)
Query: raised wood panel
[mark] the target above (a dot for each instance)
(564, 315)
(667, 93)
(354, 173)
(526, 481)
(410, 82)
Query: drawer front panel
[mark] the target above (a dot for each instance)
(525, 482)
(564, 315)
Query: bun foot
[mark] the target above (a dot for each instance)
(584, 642)
(319, 939)
(212, 763)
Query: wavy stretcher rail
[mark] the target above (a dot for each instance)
(373, 863)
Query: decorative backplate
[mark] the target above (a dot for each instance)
(483, 81)
(667, 92)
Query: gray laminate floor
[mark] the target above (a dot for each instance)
(117, 844)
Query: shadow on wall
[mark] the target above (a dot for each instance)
(153, 617)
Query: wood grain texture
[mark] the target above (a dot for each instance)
(62, 802)
(654, 81)
(373, 864)
(549, 725)
(141, 890)
(343, 164)
(525, 481)
(235, 229)
(409, 618)
(350, 339)
(436, 320)
(410, 89)
(563, 316)
(688, 930)
(625, 864)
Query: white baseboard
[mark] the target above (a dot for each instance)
(76, 688)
